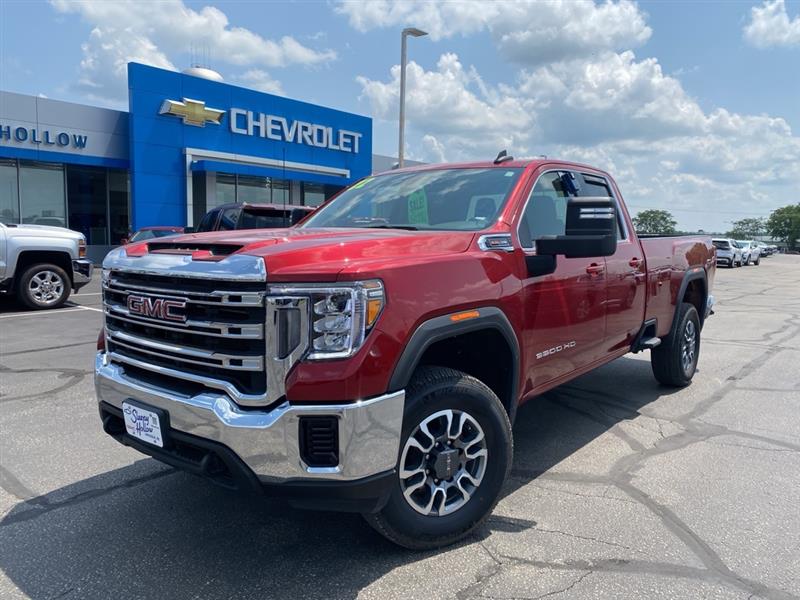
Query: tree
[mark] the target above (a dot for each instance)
(654, 220)
(747, 228)
(784, 224)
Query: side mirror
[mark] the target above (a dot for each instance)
(124, 241)
(188, 230)
(591, 230)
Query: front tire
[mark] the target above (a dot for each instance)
(43, 286)
(674, 361)
(455, 454)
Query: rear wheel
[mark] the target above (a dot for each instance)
(44, 286)
(674, 361)
(455, 454)
(757, 261)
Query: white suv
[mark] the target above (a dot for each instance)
(728, 252)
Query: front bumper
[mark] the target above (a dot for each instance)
(266, 441)
(82, 270)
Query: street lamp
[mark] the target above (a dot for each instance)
(413, 32)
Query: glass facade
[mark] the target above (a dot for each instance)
(315, 194)
(41, 194)
(92, 200)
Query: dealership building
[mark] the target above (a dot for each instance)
(189, 142)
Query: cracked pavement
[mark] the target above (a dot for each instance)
(619, 488)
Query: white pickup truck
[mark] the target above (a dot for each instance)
(42, 264)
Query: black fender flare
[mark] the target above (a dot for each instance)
(443, 327)
(690, 276)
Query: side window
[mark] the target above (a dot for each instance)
(546, 211)
(597, 186)
(207, 222)
(229, 219)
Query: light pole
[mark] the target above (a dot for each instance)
(413, 32)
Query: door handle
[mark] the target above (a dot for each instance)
(635, 262)
(595, 269)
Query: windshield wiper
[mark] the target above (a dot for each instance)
(406, 227)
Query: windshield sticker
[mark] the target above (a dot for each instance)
(510, 173)
(418, 207)
(361, 183)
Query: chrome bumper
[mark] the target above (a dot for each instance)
(267, 441)
(82, 270)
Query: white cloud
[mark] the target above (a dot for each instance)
(528, 32)
(612, 111)
(259, 79)
(151, 32)
(770, 25)
(453, 105)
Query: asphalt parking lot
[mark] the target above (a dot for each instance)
(620, 488)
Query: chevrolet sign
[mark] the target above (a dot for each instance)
(193, 112)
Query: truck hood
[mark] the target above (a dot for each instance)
(28, 230)
(314, 254)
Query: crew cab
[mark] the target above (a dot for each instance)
(41, 264)
(373, 358)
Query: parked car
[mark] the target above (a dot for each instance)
(42, 264)
(155, 231)
(767, 249)
(243, 215)
(751, 253)
(729, 253)
(373, 358)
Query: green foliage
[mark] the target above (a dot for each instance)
(654, 221)
(745, 229)
(784, 224)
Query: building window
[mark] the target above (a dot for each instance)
(42, 198)
(252, 189)
(225, 190)
(87, 193)
(118, 207)
(9, 192)
(315, 194)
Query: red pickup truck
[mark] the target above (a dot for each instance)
(373, 357)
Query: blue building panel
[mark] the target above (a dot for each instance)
(228, 127)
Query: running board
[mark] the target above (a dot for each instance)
(645, 339)
(650, 343)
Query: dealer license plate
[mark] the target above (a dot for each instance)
(142, 424)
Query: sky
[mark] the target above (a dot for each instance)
(693, 107)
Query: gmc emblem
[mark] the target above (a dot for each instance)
(158, 308)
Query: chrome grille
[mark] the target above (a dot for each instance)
(220, 345)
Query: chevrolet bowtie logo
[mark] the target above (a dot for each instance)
(193, 112)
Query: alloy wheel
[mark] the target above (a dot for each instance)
(46, 287)
(443, 462)
(688, 346)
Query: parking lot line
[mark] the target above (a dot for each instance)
(50, 313)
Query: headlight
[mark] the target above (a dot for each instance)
(341, 316)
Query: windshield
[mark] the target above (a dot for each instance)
(721, 244)
(148, 234)
(442, 199)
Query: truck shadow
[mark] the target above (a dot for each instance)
(166, 534)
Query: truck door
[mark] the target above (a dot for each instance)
(626, 274)
(564, 322)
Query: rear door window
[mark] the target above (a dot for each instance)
(595, 186)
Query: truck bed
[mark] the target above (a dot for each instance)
(668, 259)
